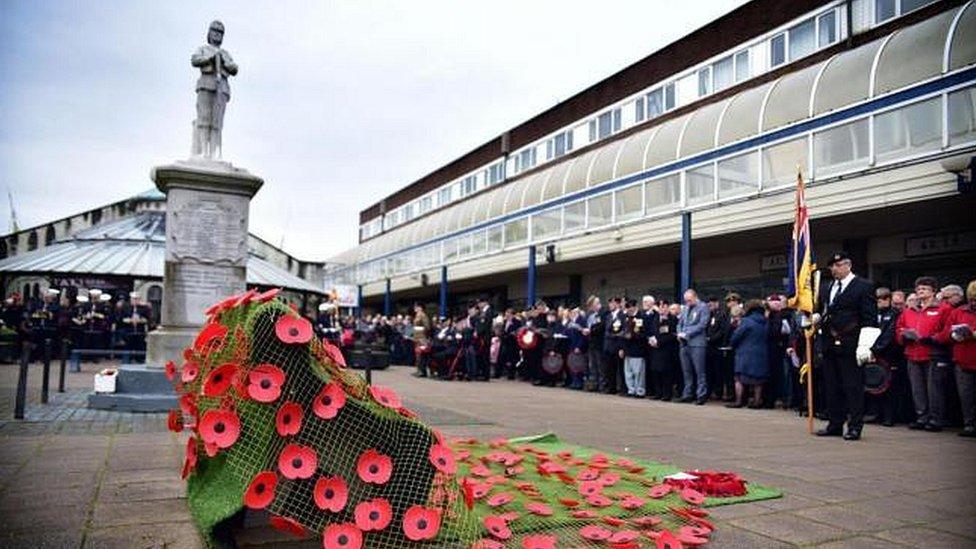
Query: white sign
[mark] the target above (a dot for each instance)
(347, 295)
(944, 243)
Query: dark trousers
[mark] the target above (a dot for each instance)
(612, 365)
(844, 385)
(422, 361)
(663, 383)
(714, 371)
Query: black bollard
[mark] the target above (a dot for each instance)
(64, 364)
(368, 366)
(22, 381)
(46, 375)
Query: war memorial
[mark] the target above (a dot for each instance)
(240, 420)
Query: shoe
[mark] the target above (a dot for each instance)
(701, 401)
(969, 431)
(754, 406)
(888, 423)
(828, 432)
(852, 434)
(735, 405)
(654, 397)
(916, 426)
(665, 399)
(933, 428)
(686, 399)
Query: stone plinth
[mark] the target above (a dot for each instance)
(206, 260)
(206, 247)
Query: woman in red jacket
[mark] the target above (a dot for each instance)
(928, 367)
(958, 330)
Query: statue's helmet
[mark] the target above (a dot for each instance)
(215, 34)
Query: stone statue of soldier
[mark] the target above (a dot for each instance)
(213, 92)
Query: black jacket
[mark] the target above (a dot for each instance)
(853, 309)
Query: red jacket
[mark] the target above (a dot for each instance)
(964, 353)
(927, 323)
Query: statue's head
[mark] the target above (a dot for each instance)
(215, 36)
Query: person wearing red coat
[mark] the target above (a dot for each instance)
(958, 330)
(928, 361)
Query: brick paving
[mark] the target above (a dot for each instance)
(73, 477)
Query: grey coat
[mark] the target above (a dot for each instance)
(693, 321)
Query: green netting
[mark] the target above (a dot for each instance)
(426, 493)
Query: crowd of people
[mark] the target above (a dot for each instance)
(747, 353)
(92, 320)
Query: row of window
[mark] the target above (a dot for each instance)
(799, 40)
(923, 127)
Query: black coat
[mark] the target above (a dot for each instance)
(853, 309)
(664, 357)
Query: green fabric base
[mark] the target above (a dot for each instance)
(551, 443)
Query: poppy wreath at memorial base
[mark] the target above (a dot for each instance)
(278, 426)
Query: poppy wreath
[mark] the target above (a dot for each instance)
(278, 424)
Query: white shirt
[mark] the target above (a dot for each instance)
(839, 286)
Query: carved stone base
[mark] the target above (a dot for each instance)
(167, 343)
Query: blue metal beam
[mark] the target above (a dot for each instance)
(530, 290)
(387, 300)
(442, 306)
(685, 281)
(359, 301)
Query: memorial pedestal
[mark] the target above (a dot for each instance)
(206, 260)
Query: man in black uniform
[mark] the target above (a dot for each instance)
(846, 304)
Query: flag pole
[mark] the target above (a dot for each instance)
(808, 333)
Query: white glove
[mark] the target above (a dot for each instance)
(863, 355)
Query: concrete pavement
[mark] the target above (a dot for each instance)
(72, 477)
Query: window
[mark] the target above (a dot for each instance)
(408, 212)
(655, 103)
(495, 238)
(722, 74)
(450, 249)
(547, 224)
(777, 50)
(49, 236)
(700, 184)
(662, 194)
(600, 210)
(464, 245)
(803, 40)
(639, 110)
(780, 162)
(32, 241)
(525, 159)
(629, 202)
(425, 204)
(669, 96)
(516, 232)
(827, 29)
(738, 175)
(605, 125)
(912, 5)
(468, 185)
(496, 173)
(444, 196)
(574, 216)
(742, 66)
(962, 116)
(562, 143)
(841, 148)
(478, 243)
(909, 130)
(884, 10)
(704, 81)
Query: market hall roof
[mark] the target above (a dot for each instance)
(134, 246)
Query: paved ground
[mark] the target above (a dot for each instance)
(72, 477)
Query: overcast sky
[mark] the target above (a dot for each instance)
(336, 105)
